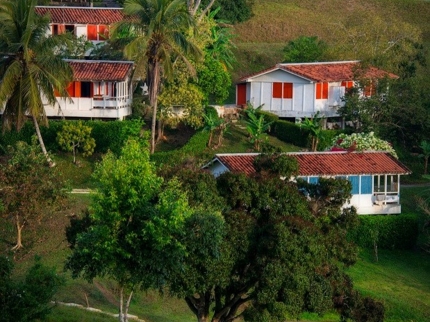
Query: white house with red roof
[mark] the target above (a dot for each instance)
(100, 89)
(91, 22)
(300, 90)
(375, 176)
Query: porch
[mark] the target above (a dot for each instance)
(90, 107)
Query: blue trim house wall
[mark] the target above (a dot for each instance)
(375, 176)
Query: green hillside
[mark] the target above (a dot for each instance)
(260, 40)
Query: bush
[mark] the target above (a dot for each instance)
(109, 135)
(291, 133)
(389, 231)
(326, 140)
(268, 117)
(194, 147)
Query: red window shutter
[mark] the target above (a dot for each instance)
(91, 32)
(288, 90)
(277, 90)
(348, 84)
(325, 91)
(56, 93)
(103, 32)
(71, 89)
(77, 89)
(61, 29)
(241, 94)
(318, 91)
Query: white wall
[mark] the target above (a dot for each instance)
(303, 104)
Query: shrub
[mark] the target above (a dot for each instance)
(268, 117)
(291, 133)
(109, 135)
(389, 231)
(327, 137)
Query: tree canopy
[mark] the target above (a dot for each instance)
(29, 66)
(304, 49)
(29, 190)
(157, 35)
(283, 250)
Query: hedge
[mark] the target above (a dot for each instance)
(194, 147)
(390, 231)
(291, 133)
(268, 117)
(109, 135)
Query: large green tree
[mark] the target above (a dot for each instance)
(29, 66)
(283, 248)
(29, 190)
(159, 32)
(136, 226)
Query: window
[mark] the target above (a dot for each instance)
(366, 185)
(347, 84)
(282, 90)
(313, 180)
(70, 28)
(92, 32)
(103, 32)
(355, 184)
(58, 29)
(288, 90)
(277, 90)
(86, 89)
(321, 91)
(369, 89)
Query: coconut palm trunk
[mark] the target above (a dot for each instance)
(160, 37)
(42, 143)
(155, 77)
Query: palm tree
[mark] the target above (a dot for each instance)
(29, 68)
(159, 32)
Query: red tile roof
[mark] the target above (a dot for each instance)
(96, 70)
(81, 15)
(325, 163)
(327, 71)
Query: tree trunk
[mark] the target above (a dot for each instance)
(121, 304)
(160, 130)
(200, 306)
(210, 138)
(74, 155)
(19, 228)
(426, 162)
(127, 305)
(42, 144)
(153, 100)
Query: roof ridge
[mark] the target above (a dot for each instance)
(98, 61)
(321, 63)
(84, 8)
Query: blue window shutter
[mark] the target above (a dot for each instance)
(313, 180)
(355, 182)
(366, 185)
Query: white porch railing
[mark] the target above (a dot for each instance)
(86, 107)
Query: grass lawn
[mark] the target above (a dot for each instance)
(400, 279)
